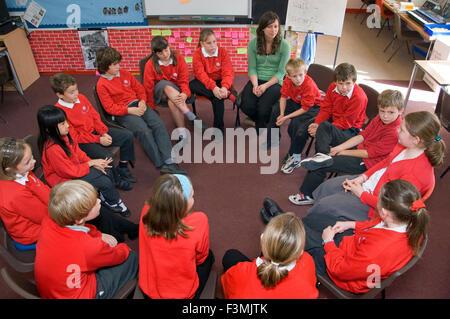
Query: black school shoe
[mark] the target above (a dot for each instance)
(172, 169)
(125, 174)
(124, 185)
(270, 210)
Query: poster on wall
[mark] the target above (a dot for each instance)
(91, 41)
(83, 13)
(34, 14)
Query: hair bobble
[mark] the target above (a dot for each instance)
(437, 138)
(417, 204)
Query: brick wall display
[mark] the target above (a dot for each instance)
(60, 50)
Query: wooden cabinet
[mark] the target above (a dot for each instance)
(19, 50)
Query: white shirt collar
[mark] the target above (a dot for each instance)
(83, 229)
(161, 63)
(67, 104)
(21, 179)
(207, 55)
(288, 267)
(349, 94)
(110, 77)
(399, 229)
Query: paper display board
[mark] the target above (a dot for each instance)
(322, 16)
(197, 7)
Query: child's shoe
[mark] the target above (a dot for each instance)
(118, 208)
(172, 169)
(290, 165)
(125, 174)
(300, 199)
(124, 185)
(319, 160)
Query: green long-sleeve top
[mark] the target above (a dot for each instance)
(268, 65)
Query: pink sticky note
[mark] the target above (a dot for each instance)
(241, 35)
(217, 34)
(181, 45)
(176, 34)
(187, 51)
(234, 35)
(188, 33)
(227, 34)
(171, 40)
(235, 42)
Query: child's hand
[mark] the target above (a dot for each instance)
(135, 111)
(105, 139)
(110, 240)
(217, 93)
(312, 129)
(223, 92)
(328, 233)
(340, 227)
(281, 120)
(353, 186)
(334, 151)
(180, 99)
(101, 164)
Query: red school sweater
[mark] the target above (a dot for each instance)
(177, 74)
(167, 268)
(348, 265)
(241, 282)
(379, 140)
(58, 167)
(83, 120)
(417, 171)
(307, 94)
(66, 260)
(345, 112)
(210, 69)
(23, 207)
(117, 93)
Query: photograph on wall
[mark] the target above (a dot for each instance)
(91, 41)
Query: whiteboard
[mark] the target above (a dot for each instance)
(322, 16)
(197, 7)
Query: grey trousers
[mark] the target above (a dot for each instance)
(151, 132)
(111, 279)
(330, 198)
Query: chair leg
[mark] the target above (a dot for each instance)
(194, 110)
(309, 147)
(399, 47)
(443, 174)
(382, 27)
(383, 294)
(392, 41)
(237, 122)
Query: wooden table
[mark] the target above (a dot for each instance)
(438, 70)
(412, 24)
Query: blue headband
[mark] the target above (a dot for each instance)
(185, 185)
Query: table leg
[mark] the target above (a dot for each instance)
(411, 83)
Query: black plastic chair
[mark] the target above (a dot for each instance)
(443, 110)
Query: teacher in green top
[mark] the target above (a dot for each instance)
(267, 56)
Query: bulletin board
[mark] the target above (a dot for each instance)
(84, 13)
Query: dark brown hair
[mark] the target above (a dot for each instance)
(106, 57)
(158, 44)
(345, 71)
(267, 18)
(398, 197)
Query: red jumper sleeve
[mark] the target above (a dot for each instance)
(107, 102)
(149, 83)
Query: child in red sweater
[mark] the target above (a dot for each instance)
(300, 102)
(213, 74)
(24, 199)
(166, 78)
(386, 242)
(285, 271)
(419, 149)
(123, 97)
(86, 127)
(174, 255)
(342, 112)
(73, 259)
(373, 144)
(62, 159)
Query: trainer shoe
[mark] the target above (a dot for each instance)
(172, 169)
(319, 160)
(290, 166)
(300, 199)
